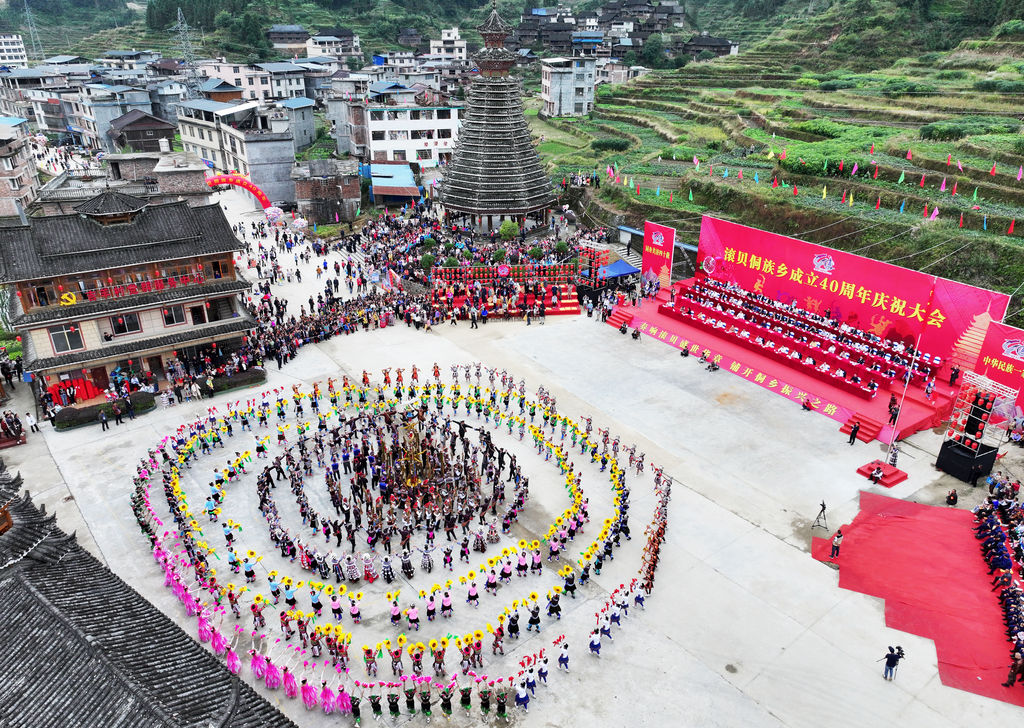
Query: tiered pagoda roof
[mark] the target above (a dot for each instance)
(495, 168)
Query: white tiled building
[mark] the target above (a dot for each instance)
(567, 85)
(395, 126)
(12, 51)
(451, 46)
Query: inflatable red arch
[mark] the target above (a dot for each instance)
(238, 181)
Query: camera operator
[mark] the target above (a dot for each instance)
(892, 660)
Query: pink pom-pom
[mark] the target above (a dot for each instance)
(234, 664)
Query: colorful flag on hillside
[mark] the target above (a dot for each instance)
(1010, 231)
(959, 166)
(902, 205)
(840, 165)
(925, 210)
(954, 189)
(823, 191)
(756, 181)
(691, 195)
(696, 162)
(974, 197)
(942, 187)
(961, 219)
(909, 155)
(875, 175)
(922, 180)
(935, 213)
(878, 202)
(775, 182)
(739, 174)
(1020, 172)
(984, 223)
(851, 198)
(794, 190)
(843, 201)
(872, 147)
(993, 170)
(825, 166)
(949, 158)
(783, 155)
(855, 168)
(657, 192)
(725, 173)
(902, 177)
(670, 196)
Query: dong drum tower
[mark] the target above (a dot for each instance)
(495, 173)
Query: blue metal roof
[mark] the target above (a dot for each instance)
(299, 102)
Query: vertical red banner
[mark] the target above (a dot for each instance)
(659, 241)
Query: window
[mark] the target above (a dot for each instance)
(67, 337)
(8, 163)
(377, 136)
(424, 154)
(14, 183)
(234, 69)
(377, 115)
(399, 155)
(149, 132)
(444, 113)
(444, 133)
(174, 315)
(127, 323)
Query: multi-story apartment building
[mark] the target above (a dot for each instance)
(12, 51)
(15, 83)
(19, 178)
(391, 124)
(289, 39)
(254, 81)
(451, 46)
(287, 80)
(242, 138)
(567, 85)
(122, 284)
(91, 109)
(336, 42)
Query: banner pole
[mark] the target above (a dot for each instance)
(906, 386)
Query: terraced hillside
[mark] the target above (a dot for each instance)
(921, 163)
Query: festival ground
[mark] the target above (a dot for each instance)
(744, 627)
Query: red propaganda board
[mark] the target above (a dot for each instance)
(657, 257)
(887, 300)
(1002, 356)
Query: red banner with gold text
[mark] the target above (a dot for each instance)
(657, 256)
(887, 300)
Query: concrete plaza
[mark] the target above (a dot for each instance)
(743, 628)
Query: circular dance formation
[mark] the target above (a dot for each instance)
(386, 513)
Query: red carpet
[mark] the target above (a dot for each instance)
(926, 564)
(917, 413)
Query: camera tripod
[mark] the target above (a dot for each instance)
(820, 521)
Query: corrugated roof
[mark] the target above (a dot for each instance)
(300, 102)
(205, 105)
(280, 67)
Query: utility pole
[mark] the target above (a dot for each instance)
(188, 56)
(33, 33)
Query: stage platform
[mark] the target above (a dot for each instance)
(841, 404)
(926, 564)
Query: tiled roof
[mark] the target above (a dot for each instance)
(91, 651)
(137, 347)
(64, 244)
(111, 202)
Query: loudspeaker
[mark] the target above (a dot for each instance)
(964, 462)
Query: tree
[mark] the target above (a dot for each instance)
(706, 56)
(630, 58)
(653, 53)
(427, 261)
(451, 262)
(508, 230)
(498, 256)
(536, 252)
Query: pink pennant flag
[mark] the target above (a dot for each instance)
(783, 155)
(1020, 172)
(740, 175)
(959, 166)
(854, 169)
(935, 213)
(696, 162)
(909, 155)
(942, 187)
(949, 158)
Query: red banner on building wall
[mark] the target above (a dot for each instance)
(657, 256)
(887, 300)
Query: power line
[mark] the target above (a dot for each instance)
(33, 33)
(188, 56)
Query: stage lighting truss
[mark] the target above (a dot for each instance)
(982, 411)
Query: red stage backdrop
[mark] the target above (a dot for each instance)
(890, 301)
(657, 257)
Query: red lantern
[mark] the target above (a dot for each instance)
(129, 362)
(71, 329)
(60, 287)
(165, 312)
(207, 304)
(85, 371)
(109, 279)
(214, 345)
(17, 338)
(19, 293)
(47, 377)
(174, 353)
